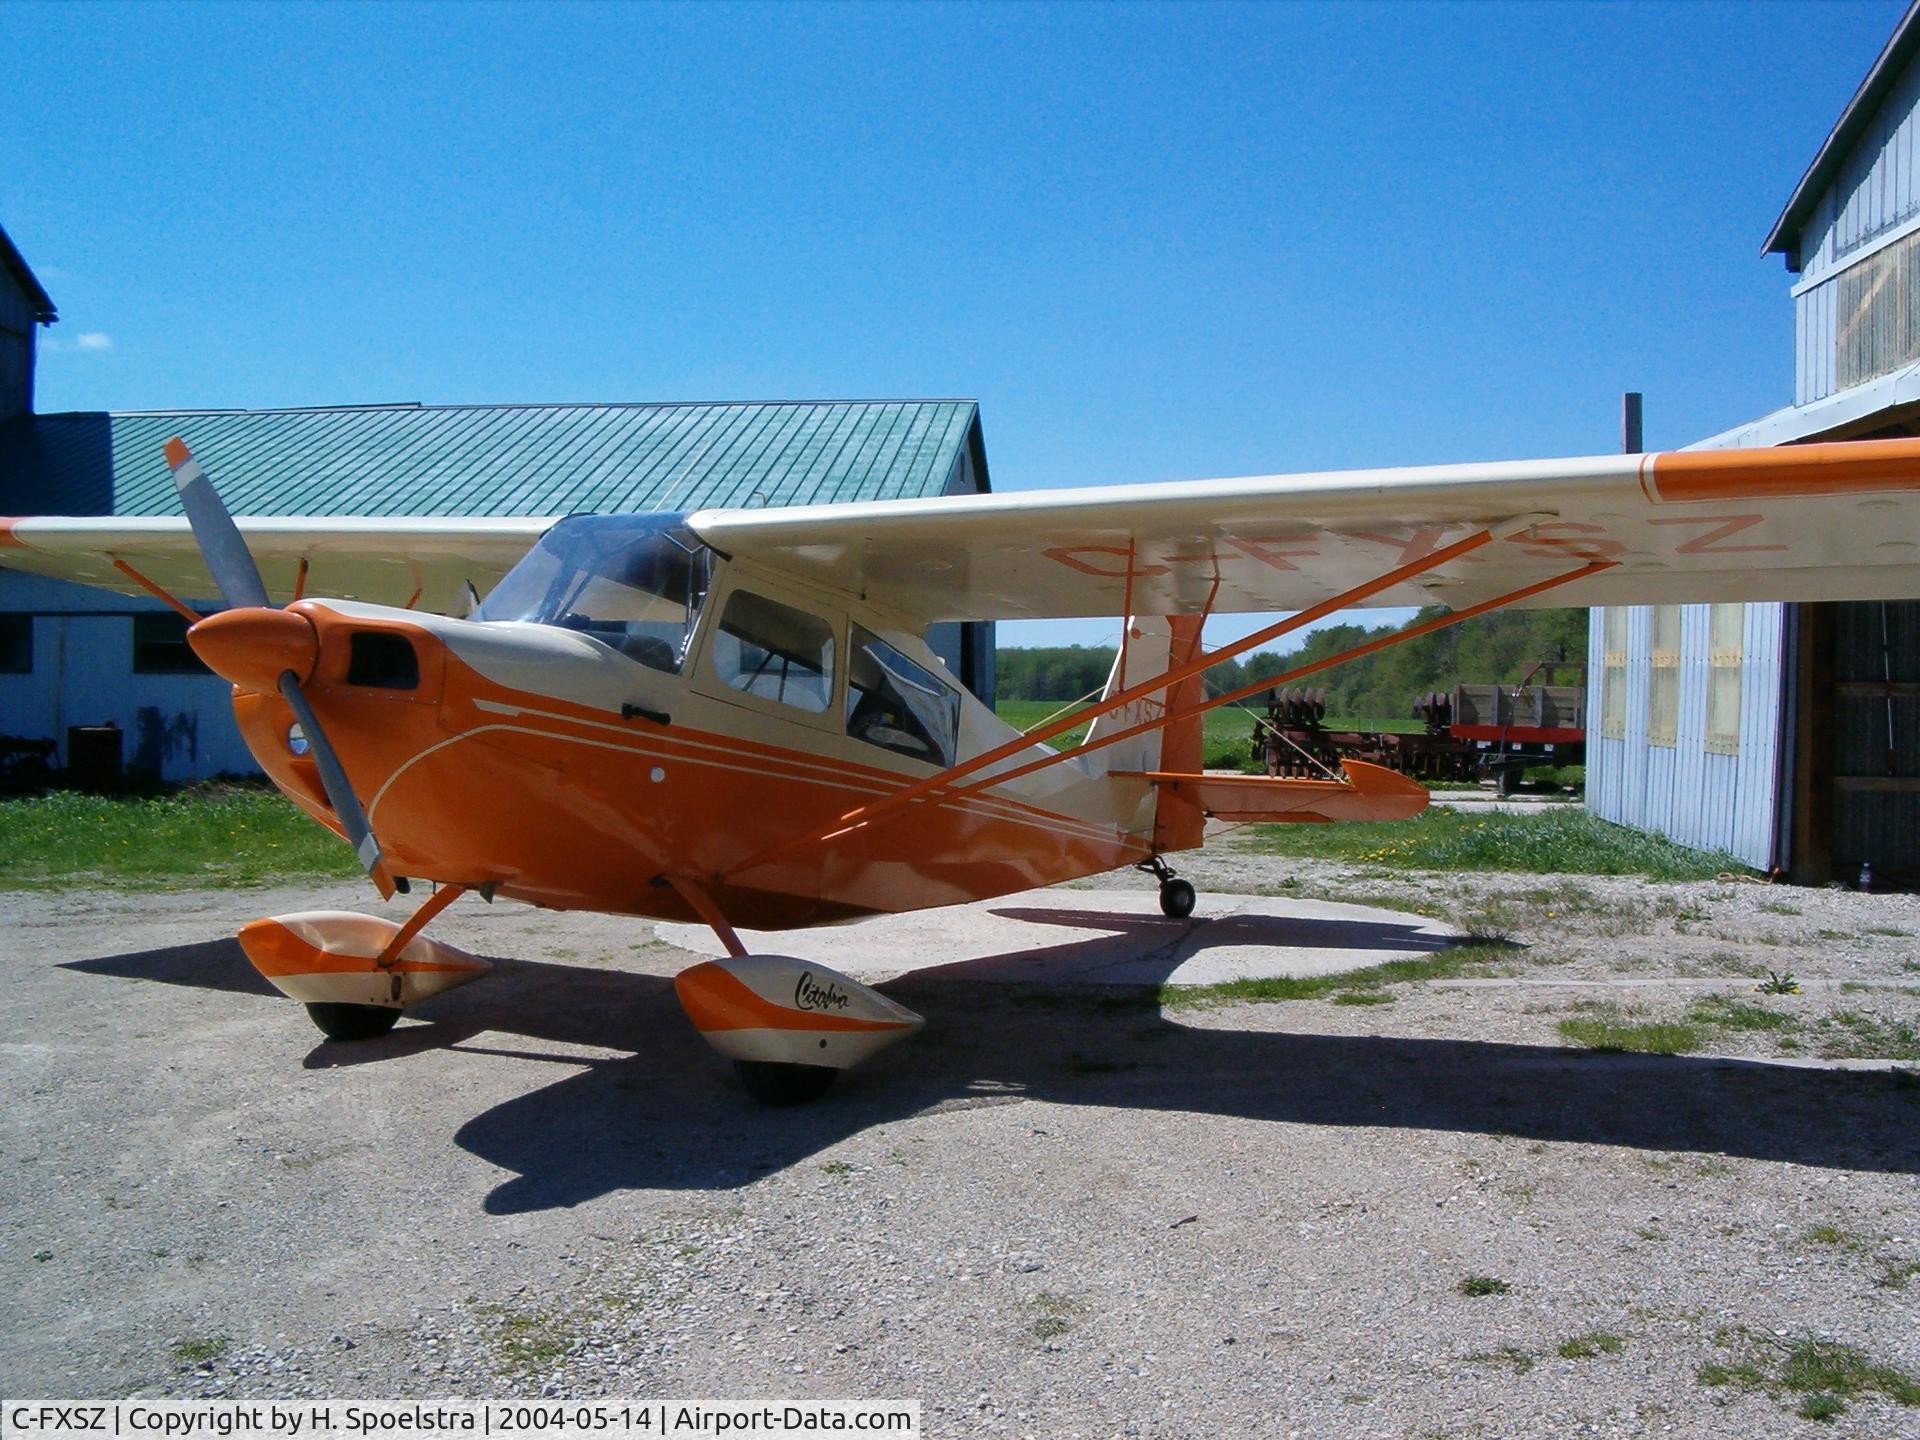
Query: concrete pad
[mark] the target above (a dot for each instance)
(1485, 802)
(1102, 937)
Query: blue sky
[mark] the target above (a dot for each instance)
(1155, 242)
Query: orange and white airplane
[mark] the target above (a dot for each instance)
(731, 716)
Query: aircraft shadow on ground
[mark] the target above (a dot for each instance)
(205, 965)
(667, 1114)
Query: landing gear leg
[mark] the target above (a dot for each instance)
(1177, 897)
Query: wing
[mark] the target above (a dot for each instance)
(1807, 522)
(420, 561)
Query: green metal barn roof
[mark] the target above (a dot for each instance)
(493, 459)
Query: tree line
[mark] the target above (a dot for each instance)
(1495, 648)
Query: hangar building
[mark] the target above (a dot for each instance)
(1790, 734)
(71, 655)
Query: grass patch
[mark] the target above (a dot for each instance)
(1894, 1274)
(1858, 1035)
(1727, 1013)
(202, 1351)
(1559, 840)
(1821, 1407)
(523, 1344)
(1823, 1373)
(211, 837)
(1554, 906)
(1512, 1356)
(1478, 1286)
(1648, 1037)
(1743, 1373)
(1830, 1235)
(1439, 965)
(1055, 1315)
(1588, 1346)
(1363, 997)
(1826, 1365)
(836, 1168)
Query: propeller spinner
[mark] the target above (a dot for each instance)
(261, 647)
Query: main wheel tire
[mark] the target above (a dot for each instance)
(353, 1022)
(772, 1083)
(1176, 898)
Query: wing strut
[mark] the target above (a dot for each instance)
(866, 814)
(178, 606)
(1425, 627)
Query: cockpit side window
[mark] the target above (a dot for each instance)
(772, 650)
(898, 705)
(634, 583)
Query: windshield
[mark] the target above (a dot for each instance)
(634, 582)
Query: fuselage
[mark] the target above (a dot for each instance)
(577, 762)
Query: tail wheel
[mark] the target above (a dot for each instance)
(353, 1022)
(1177, 898)
(772, 1083)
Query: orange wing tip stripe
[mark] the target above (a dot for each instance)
(1855, 467)
(7, 537)
(177, 452)
(716, 1000)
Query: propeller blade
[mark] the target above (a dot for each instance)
(221, 544)
(346, 805)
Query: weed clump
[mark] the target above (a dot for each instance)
(1640, 1037)
(1588, 1346)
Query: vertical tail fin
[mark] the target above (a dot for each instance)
(1154, 644)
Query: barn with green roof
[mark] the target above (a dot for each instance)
(73, 656)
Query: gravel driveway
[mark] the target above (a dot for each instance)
(1057, 1212)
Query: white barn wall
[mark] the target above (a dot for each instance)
(1872, 202)
(180, 726)
(1682, 791)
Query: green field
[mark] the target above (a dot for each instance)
(207, 837)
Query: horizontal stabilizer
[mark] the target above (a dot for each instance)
(1370, 792)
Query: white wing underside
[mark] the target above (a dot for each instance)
(387, 562)
(1820, 522)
